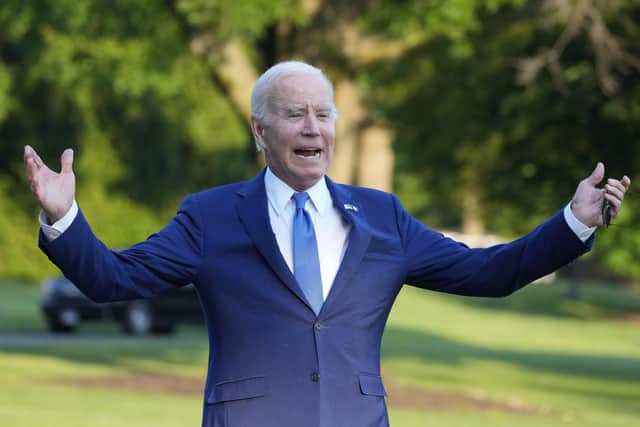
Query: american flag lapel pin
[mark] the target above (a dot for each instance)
(351, 207)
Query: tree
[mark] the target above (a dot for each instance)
(118, 83)
(484, 114)
(515, 147)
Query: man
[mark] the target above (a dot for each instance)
(297, 274)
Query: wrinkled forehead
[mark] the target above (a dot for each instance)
(299, 90)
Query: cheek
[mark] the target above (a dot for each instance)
(286, 140)
(330, 139)
(328, 132)
(275, 154)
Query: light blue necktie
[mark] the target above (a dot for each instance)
(306, 263)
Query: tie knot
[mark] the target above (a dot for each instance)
(300, 199)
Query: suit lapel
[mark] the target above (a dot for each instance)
(359, 238)
(254, 214)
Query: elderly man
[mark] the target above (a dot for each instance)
(297, 274)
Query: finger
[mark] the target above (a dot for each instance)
(66, 160)
(36, 158)
(34, 185)
(597, 174)
(29, 154)
(626, 182)
(31, 168)
(615, 204)
(620, 185)
(616, 190)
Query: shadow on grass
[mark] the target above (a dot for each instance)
(433, 348)
(127, 353)
(149, 355)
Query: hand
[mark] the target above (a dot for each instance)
(588, 200)
(54, 191)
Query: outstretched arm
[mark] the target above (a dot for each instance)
(168, 258)
(439, 263)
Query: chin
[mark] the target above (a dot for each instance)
(308, 179)
(315, 174)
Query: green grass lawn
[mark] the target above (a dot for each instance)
(534, 359)
(577, 364)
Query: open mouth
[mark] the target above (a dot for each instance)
(308, 152)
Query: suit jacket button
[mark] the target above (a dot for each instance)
(318, 326)
(315, 377)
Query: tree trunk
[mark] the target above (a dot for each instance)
(350, 115)
(471, 213)
(375, 158)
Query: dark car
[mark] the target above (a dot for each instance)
(64, 307)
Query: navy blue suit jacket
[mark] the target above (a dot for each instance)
(272, 361)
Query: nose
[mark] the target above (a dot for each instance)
(311, 125)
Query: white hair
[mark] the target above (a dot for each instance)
(276, 72)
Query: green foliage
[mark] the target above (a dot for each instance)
(452, 19)
(5, 91)
(246, 18)
(18, 240)
(622, 241)
(117, 82)
(464, 123)
(129, 85)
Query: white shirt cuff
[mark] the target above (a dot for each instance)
(582, 231)
(53, 231)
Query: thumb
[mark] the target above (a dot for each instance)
(66, 160)
(597, 174)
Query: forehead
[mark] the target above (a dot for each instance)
(300, 89)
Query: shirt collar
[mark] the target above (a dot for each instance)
(279, 193)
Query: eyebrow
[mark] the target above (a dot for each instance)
(297, 108)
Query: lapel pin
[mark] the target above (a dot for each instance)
(351, 207)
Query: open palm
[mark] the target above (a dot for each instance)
(54, 191)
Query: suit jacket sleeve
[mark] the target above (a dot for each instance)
(168, 258)
(439, 263)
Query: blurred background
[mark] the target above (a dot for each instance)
(482, 115)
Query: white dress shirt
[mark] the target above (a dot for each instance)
(582, 231)
(332, 231)
(53, 231)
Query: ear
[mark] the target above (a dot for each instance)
(258, 131)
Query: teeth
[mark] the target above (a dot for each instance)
(308, 153)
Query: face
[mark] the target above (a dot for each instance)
(298, 133)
